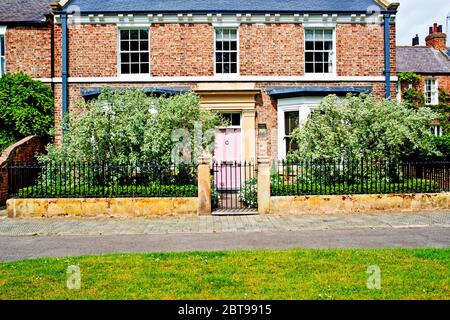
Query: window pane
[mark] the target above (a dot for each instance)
(234, 68)
(144, 57)
(226, 68)
(134, 34)
(134, 45)
(318, 57)
(125, 57)
(319, 68)
(144, 45)
(319, 35)
(218, 57)
(309, 45)
(219, 68)
(135, 68)
(125, 68)
(145, 68)
(309, 68)
(219, 34)
(309, 35)
(125, 34)
(233, 45)
(328, 45)
(134, 57)
(291, 121)
(124, 46)
(233, 34)
(233, 57)
(2, 45)
(309, 56)
(319, 45)
(328, 35)
(226, 57)
(226, 46)
(236, 119)
(144, 34)
(226, 35)
(218, 45)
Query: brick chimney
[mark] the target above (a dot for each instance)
(436, 38)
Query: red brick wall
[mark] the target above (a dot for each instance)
(24, 150)
(360, 49)
(182, 50)
(28, 49)
(271, 49)
(92, 50)
(188, 50)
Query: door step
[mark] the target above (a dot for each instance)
(235, 212)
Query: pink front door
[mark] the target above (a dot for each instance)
(228, 153)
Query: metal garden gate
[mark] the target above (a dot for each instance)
(234, 186)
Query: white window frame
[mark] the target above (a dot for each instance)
(238, 61)
(436, 130)
(119, 51)
(304, 105)
(334, 55)
(435, 94)
(3, 58)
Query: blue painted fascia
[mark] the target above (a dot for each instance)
(286, 92)
(88, 93)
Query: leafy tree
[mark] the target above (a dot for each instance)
(26, 108)
(363, 127)
(129, 126)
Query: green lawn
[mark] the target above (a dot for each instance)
(285, 274)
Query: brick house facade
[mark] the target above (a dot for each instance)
(267, 65)
(431, 63)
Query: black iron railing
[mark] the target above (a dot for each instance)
(359, 177)
(85, 179)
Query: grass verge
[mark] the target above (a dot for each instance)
(281, 274)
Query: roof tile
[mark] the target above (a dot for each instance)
(422, 60)
(30, 11)
(223, 5)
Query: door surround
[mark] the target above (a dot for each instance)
(234, 97)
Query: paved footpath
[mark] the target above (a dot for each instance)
(32, 238)
(215, 224)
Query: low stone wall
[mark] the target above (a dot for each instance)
(25, 150)
(100, 207)
(329, 205)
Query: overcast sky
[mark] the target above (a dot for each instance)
(416, 16)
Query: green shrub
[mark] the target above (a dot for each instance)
(155, 190)
(129, 126)
(249, 193)
(408, 186)
(26, 108)
(443, 145)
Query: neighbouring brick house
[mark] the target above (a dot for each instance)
(26, 38)
(431, 62)
(265, 64)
